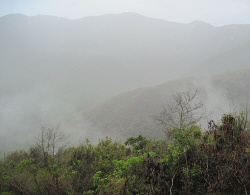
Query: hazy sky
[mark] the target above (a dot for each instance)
(216, 12)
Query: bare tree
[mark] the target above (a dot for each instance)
(185, 110)
(50, 141)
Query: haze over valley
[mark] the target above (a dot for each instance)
(107, 75)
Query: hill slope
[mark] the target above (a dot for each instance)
(129, 114)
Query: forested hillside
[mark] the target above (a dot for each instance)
(131, 113)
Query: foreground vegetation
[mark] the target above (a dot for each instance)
(212, 162)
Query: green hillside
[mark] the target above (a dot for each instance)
(130, 114)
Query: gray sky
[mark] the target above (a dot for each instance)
(216, 12)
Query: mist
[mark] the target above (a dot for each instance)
(106, 75)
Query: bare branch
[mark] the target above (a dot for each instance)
(185, 110)
(51, 140)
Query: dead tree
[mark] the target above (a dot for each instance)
(184, 110)
(50, 141)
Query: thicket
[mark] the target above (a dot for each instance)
(212, 162)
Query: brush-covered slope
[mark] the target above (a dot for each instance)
(129, 114)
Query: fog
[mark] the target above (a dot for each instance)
(56, 70)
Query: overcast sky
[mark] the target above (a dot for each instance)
(216, 12)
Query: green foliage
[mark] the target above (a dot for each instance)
(138, 143)
(123, 167)
(121, 179)
(25, 164)
(212, 162)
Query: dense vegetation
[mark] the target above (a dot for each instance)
(212, 162)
